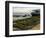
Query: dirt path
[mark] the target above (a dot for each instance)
(37, 27)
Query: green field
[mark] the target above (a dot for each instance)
(27, 23)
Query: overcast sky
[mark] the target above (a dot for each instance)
(23, 10)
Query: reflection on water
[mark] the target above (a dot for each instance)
(18, 18)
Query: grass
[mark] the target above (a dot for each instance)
(27, 23)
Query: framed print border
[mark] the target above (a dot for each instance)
(7, 18)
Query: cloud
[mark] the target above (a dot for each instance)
(23, 9)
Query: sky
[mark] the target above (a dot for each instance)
(23, 10)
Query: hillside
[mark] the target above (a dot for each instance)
(27, 23)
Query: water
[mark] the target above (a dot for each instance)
(18, 18)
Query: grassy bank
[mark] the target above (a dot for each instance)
(27, 23)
